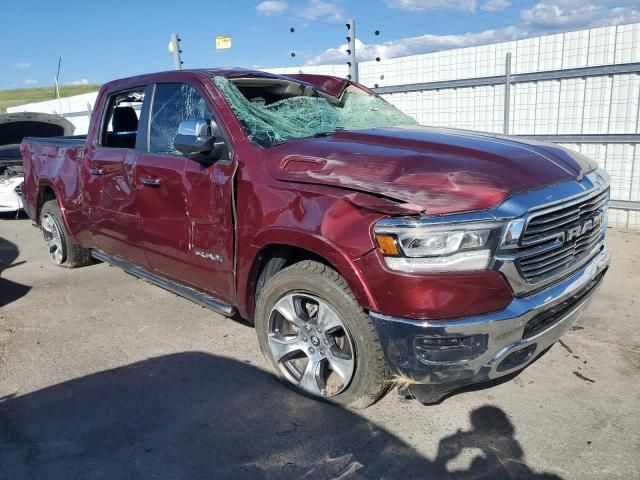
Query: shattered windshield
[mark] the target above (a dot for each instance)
(274, 111)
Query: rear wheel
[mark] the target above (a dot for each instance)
(318, 339)
(62, 249)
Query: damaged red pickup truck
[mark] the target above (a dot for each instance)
(362, 245)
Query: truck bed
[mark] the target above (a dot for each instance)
(52, 162)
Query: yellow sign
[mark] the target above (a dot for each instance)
(223, 41)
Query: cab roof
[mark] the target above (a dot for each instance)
(328, 84)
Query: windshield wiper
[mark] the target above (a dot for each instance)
(315, 135)
(326, 134)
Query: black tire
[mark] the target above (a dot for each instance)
(370, 380)
(73, 255)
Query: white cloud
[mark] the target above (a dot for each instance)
(271, 7)
(22, 65)
(321, 10)
(495, 5)
(82, 81)
(30, 81)
(559, 13)
(415, 45)
(423, 5)
(568, 14)
(618, 16)
(547, 16)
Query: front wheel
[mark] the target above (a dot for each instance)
(318, 339)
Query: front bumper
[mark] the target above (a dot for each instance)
(511, 338)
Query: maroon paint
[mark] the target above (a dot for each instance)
(444, 171)
(109, 204)
(331, 85)
(434, 296)
(322, 195)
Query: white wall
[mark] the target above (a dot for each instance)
(597, 46)
(75, 109)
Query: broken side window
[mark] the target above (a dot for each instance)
(172, 104)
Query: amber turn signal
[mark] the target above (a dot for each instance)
(387, 244)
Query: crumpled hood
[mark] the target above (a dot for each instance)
(435, 170)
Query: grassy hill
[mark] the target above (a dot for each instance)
(10, 98)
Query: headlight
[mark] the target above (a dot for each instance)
(437, 248)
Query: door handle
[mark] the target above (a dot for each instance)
(150, 182)
(96, 172)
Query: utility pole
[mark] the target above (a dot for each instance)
(351, 50)
(174, 49)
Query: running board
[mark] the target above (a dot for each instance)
(170, 285)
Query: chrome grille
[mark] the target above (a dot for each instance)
(547, 251)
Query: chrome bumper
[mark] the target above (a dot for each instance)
(503, 332)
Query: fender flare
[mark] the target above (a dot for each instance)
(320, 246)
(43, 184)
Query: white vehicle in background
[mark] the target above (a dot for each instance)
(10, 191)
(13, 128)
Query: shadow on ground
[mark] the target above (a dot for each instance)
(9, 291)
(196, 416)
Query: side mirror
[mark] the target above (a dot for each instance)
(200, 140)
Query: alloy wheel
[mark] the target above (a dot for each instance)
(311, 345)
(53, 237)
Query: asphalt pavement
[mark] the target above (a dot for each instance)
(103, 376)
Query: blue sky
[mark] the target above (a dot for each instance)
(100, 41)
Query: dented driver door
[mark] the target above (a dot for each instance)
(185, 206)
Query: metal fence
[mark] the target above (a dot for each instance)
(609, 149)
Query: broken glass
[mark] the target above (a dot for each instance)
(172, 104)
(308, 116)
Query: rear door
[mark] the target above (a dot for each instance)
(109, 176)
(185, 207)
